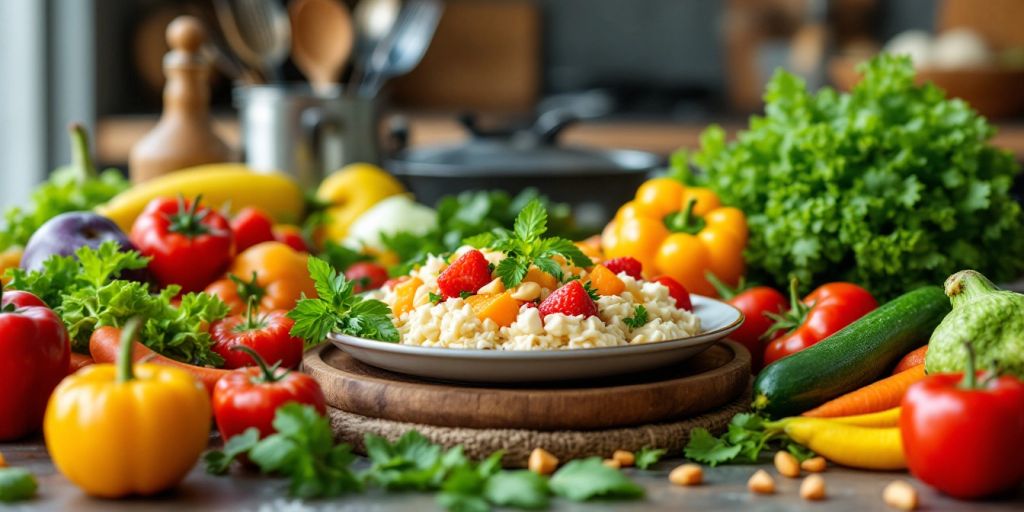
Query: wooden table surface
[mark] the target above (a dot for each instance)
(724, 489)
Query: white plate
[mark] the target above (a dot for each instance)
(717, 320)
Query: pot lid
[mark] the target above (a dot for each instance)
(530, 152)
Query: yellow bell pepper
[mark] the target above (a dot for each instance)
(350, 192)
(681, 232)
(115, 430)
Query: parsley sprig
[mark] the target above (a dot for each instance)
(525, 246)
(338, 308)
(748, 435)
(647, 456)
(638, 319)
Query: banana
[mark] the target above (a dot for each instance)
(223, 184)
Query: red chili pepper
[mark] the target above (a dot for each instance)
(248, 397)
(962, 436)
(34, 357)
(824, 312)
(190, 245)
(755, 303)
(265, 333)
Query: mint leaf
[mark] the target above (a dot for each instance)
(647, 457)
(532, 222)
(16, 484)
(585, 479)
(638, 319)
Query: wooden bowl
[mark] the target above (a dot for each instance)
(994, 92)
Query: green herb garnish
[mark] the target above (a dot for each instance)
(748, 435)
(638, 319)
(434, 298)
(524, 247)
(338, 309)
(647, 457)
(585, 479)
(16, 484)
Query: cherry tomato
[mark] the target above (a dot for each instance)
(189, 245)
(366, 275)
(754, 303)
(266, 333)
(251, 226)
(291, 236)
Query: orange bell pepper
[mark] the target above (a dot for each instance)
(272, 272)
(681, 232)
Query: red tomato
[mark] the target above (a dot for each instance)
(249, 397)
(190, 245)
(825, 311)
(963, 437)
(251, 226)
(291, 236)
(265, 333)
(754, 303)
(366, 275)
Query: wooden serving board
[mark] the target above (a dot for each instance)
(707, 381)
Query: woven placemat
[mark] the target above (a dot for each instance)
(518, 443)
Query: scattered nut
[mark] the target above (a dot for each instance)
(612, 463)
(813, 488)
(814, 465)
(495, 286)
(542, 462)
(787, 464)
(526, 291)
(687, 474)
(624, 458)
(761, 483)
(901, 495)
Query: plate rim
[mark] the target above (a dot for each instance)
(340, 340)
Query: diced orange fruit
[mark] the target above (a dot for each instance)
(501, 308)
(605, 281)
(542, 278)
(405, 292)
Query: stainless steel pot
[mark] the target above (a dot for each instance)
(292, 129)
(594, 182)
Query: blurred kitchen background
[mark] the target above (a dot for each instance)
(643, 75)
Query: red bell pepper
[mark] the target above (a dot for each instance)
(265, 333)
(756, 304)
(190, 245)
(35, 355)
(248, 397)
(821, 314)
(963, 436)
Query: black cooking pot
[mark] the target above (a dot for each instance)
(594, 182)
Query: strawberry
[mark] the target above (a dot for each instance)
(630, 266)
(571, 299)
(677, 292)
(467, 274)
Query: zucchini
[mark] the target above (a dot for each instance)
(851, 358)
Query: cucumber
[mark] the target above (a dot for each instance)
(852, 358)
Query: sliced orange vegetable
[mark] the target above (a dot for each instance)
(405, 292)
(501, 308)
(878, 396)
(605, 282)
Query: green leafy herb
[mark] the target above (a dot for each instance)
(518, 489)
(525, 246)
(464, 488)
(303, 449)
(338, 309)
(638, 319)
(892, 186)
(76, 187)
(585, 479)
(412, 462)
(16, 484)
(748, 435)
(434, 298)
(647, 457)
(219, 461)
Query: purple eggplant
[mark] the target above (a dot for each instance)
(65, 233)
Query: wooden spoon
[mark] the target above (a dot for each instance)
(322, 39)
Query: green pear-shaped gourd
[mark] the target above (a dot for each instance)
(990, 318)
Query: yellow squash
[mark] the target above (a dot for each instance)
(115, 430)
(350, 192)
(229, 184)
(850, 445)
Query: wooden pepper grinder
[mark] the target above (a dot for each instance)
(184, 135)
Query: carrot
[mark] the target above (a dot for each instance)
(910, 360)
(878, 396)
(104, 346)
